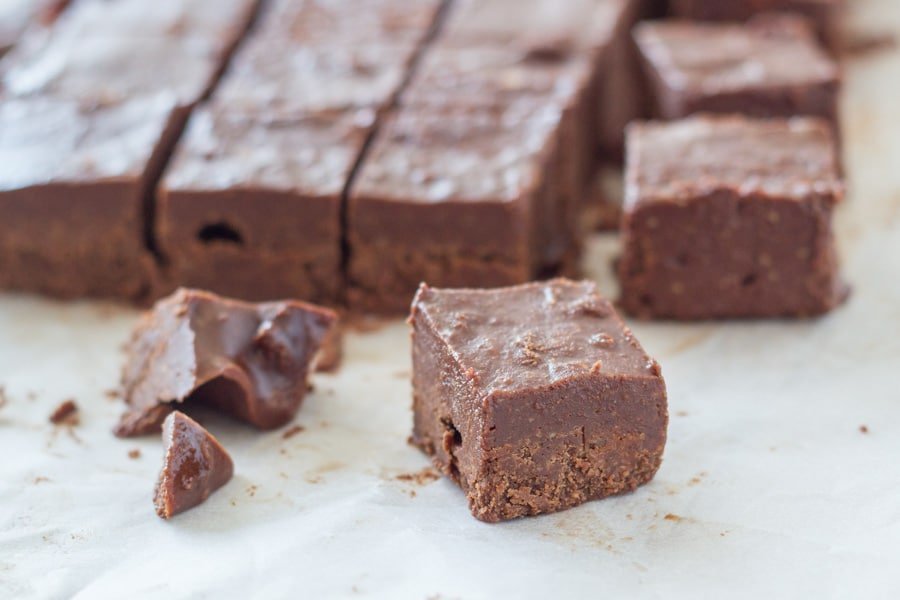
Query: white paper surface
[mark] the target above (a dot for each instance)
(769, 486)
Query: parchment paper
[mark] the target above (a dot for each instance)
(771, 487)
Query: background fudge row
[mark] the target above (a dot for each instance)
(253, 204)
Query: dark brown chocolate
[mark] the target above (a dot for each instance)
(534, 398)
(250, 361)
(769, 67)
(825, 15)
(65, 413)
(250, 205)
(194, 466)
(459, 197)
(74, 181)
(729, 217)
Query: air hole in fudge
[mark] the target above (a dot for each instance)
(220, 232)
(748, 280)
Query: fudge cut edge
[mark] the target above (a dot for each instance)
(609, 436)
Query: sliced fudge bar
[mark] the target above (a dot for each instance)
(459, 197)
(824, 14)
(248, 360)
(770, 67)
(194, 466)
(250, 206)
(534, 398)
(729, 217)
(74, 185)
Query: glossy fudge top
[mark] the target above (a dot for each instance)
(224, 150)
(44, 141)
(713, 58)
(222, 20)
(532, 336)
(276, 76)
(458, 154)
(495, 73)
(103, 69)
(556, 23)
(681, 160)
(316, 21)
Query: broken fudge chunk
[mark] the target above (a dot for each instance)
(534, 398)
(770, 67)
(730, 217)
(248, 360)
(195, 465)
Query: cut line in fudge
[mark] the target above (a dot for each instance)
(250, 361)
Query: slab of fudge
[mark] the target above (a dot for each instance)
(250, 206)
(314, 22)
(194, 466)
(271, 75)
(74, 186)
(534, 398)
(730, 217)
(824, 14)
(769, 67)
(460, 197)
(250, 361)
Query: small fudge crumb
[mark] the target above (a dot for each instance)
(730, 217)
(194, 466)
(3, 399)
(864, 429)
(675, 518)
(65, 414)
(514, 399)
(426, 475)
(134, 454)
(248, 360)
(292, 431)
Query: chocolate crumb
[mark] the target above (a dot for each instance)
(40, 479)
(426, 475)
(675, 518)
(3, 398)
(112, 394)
(863, 429)
(134, 454)
(65, 414)
(292, 431)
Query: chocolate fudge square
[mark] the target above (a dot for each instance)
(250, 206)
(729, 217)
(534, 398)
(458, 197)
(770, 67)
(825, 15)
(74, 181)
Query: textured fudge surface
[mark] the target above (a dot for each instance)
(248, 360)
(194, 466)
(534, 398)
(676, 161)
(727, 217)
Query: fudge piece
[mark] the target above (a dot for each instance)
(272, 75)
(462, 196)
(824, 14)
(74, 184)
(65, 414)
(355, 21)
(729, 217)
(250, 205)
(534, 398)
(194, 466)
(770, 67)
(248, 360)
